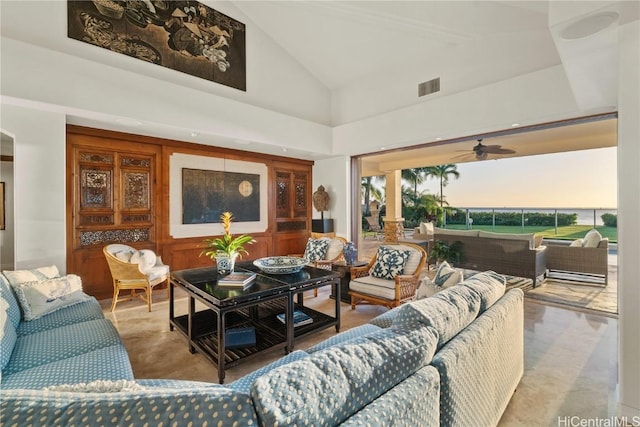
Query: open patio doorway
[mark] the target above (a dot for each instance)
(570, 141)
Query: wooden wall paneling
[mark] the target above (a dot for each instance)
(278, 239)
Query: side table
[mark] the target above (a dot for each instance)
(344, 270)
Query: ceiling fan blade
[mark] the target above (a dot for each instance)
(497, 149)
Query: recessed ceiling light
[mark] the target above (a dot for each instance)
(515, 125)
(438, 139)
(194, 133)
(284, 149)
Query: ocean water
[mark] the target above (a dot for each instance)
(585, 216)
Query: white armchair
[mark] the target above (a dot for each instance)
(133, 270)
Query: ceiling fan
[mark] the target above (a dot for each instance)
(481, 151)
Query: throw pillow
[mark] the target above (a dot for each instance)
(576, 243)
(426, 289)
(447, 276)
(145, 258)
(591, 239)
(18, 277)
(316, 249)
(124, 255)
(42, 297)
(389, 263)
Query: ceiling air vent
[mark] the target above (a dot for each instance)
(426, 88)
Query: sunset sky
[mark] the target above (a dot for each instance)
(578, 179)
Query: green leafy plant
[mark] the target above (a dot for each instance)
(442, 251)
(227, 244)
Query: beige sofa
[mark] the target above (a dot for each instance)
(518, 255)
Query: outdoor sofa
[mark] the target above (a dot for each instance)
(513, 254)
(410, 366)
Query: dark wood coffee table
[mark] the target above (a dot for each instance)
(257, 307)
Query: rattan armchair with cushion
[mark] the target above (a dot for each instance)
(391, 277)
(134, 270)
(323, 252)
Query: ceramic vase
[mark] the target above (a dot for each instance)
(225, 263)
(350, 253)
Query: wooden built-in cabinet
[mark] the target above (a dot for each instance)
(292, 201)
(118, 192)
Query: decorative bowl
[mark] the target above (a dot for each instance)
(280, 264)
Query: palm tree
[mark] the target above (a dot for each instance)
(415, 176)
(369, 190)
(443, 172)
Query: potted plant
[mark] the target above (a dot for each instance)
(226, 249)
(442, 251)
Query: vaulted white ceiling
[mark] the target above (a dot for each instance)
(341, 42)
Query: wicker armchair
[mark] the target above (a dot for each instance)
(364, 288)
(333, 254)
(130, 275)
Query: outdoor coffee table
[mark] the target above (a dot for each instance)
(256, 307)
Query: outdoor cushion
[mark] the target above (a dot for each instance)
(316, 249)
(489, 285)
(592, 239)
(344, 337)
(426, 228)
(446, 231)
(529, 237)
(389, 263)
(448, 312)
(329, 386)
(81, 312)
(107, 363)
(576, 243)
(370, 285)
(447, 276)
(56, 344)
(41, 297)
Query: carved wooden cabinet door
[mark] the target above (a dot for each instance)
(293, 188)
(111, 199)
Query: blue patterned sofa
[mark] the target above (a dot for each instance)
(452, 359)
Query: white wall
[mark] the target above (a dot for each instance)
(70, 84)
(39, 174)
(628, 223)
(534, 98)
(271, 72)
(333, 174)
